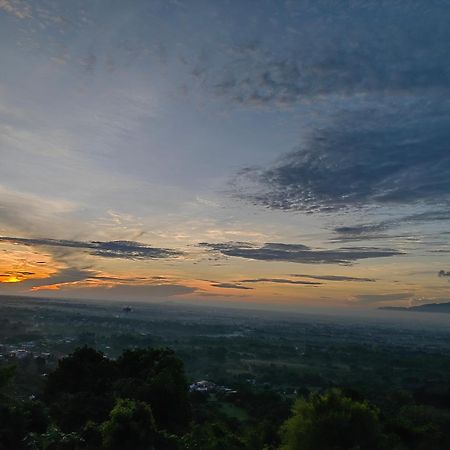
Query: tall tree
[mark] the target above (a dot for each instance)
(156, 376)
(331, 421)
(80, 389)
(130, 426)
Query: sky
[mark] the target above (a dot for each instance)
(282, 153)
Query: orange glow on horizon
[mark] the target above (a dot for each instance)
(12, 279)
(49, 287)
(20, 263)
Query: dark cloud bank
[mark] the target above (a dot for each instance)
(334, 278)
(380, 72)
(344, 48)
(227, 285)
(298, 253)
(377, 230)
(361, 160)
(107, 249)
(238, 284)
(280, 281)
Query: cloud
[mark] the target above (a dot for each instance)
(372, 150)
(108, 249)
(428, 216)
(67, 275)
(383, 229)
(377, 298)
(297, 253)
(280, 281)
(367, 48)
(377, 230)
(334, 278)
(89, 62)
(230, 286)
(359, 229)
(18, 8)
(122, 292)
(369, 158)
(85, 283)
(31, 213)
(443, 274)
(361, 232)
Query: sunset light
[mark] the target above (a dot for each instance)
(225, 224)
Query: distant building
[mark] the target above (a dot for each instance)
(208, 387)
(19, 354)
(203, 386)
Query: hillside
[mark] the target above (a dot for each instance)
(430, 307)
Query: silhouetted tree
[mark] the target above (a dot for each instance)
(80, 389)
(422, 427)
(156, 376)
(18, 418)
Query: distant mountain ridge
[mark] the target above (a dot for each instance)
(429, 307)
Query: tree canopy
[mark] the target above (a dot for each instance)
(86, 385)
(332, 421)
(130, 425)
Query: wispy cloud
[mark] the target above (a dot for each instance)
(108, 249)
(383, 53)
(334, 278)
(230, 286)
(280, 281)
(88, 283)
(18, 8)
(31, 213)
(123, 292)
(63, 276)
(379, 298)
(297, 253)
(364, 159)
(383, 229)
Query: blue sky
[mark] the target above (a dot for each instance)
(289, 153)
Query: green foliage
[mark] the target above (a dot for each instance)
(156, 376)
(85, 370)
(131, 426)
(422, 427)
(55, 439)
(6, 375)
(140, 402)
(80, 389)
(332, 421)
(12, 427)
(18, 419)
(85, 386)
(212, 436)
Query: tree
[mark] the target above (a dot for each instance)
(331, 421)
(55, 439)
(18, 418)
(156, 376)
(6, 376)
(131, 425)
(422, 427)
(80, 389)
(85, 386)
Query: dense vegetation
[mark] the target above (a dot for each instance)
(282, 382)
(141, 401)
